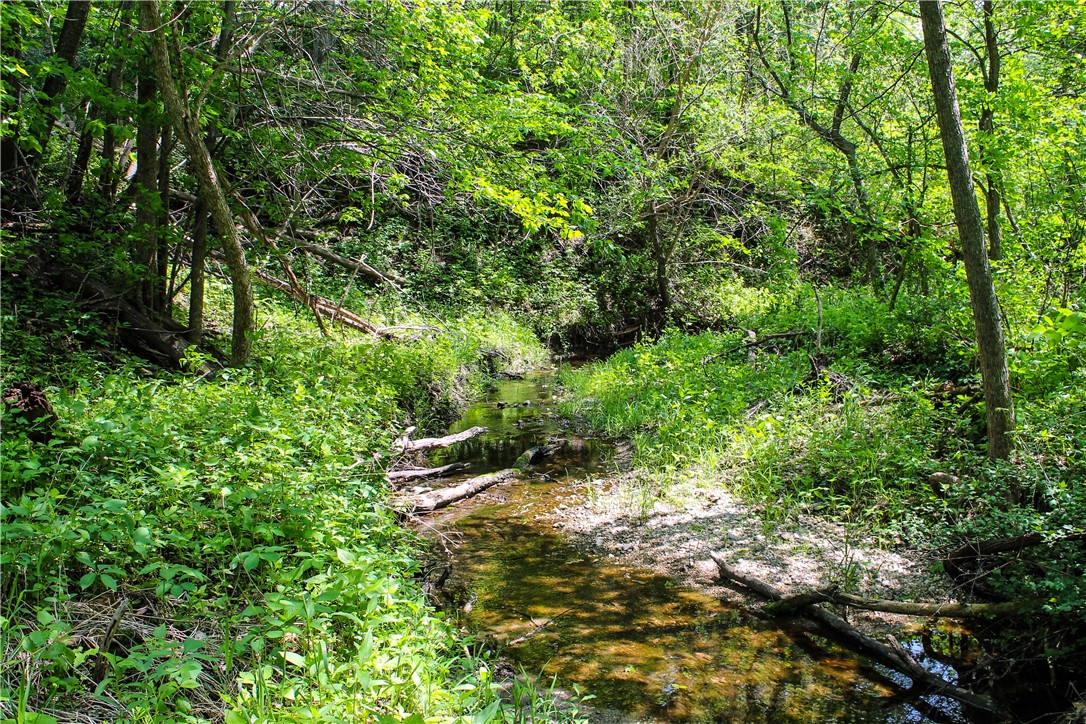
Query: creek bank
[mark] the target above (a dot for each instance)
(574, 572)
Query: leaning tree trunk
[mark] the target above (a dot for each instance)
(982, 294)
(211, 191)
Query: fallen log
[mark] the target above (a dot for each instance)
(894, 657)
(430, 443)
(420, 473)
(149, 338)
(438, 499)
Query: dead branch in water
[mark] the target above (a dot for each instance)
(439, 499)
(893, 656)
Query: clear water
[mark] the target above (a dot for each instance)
(646, 648)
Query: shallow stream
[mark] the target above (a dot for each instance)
(645, 647)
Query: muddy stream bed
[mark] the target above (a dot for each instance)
(644, 646)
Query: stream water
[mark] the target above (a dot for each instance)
(646, 648)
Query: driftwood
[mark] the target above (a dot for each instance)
(792, 604)
(892, 656)
(430, 443)
(533, 455)
(438, 499)
(401, 476)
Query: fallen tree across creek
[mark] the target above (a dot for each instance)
(438, 499)
(893, 656)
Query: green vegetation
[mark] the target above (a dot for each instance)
(860, 439)
(244, 520)
(245, 244)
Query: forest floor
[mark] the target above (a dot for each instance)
(793, 552)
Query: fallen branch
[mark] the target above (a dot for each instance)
(160, 340)
(430, 443)
(896, 658)
(792, 604)
(419, 473)
(332, 310)
(538, 627)
(439, 499)
(357, 265)
(968, 556)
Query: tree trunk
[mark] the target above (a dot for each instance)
(146, 182)
(71, 33)
(982, 294)
(196, 278)
(211, 191)
(160, 298)
(987, 129)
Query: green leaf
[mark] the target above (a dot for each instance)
(346, 556)
(295, 658)
(251, 561)
(88, 580)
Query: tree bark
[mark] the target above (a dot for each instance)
(146, 182)
(982, 294)
(211, 191)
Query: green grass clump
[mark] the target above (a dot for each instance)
(241, 524)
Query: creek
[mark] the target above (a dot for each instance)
(644, 647)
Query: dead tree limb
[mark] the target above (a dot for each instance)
(965, 559)
(357, 265)
(886, 655)
(338, 314)
(403, 476)
(438, 499)
(792, 604)
(429, 443)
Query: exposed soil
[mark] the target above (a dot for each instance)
(796, 553)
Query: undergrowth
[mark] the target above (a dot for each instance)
(237, 528)
(858, 441)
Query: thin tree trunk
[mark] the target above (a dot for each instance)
(107, 184)
(71, 34)
(196, 278)
(982, 294)
(146, 182)
(211, 191)
(162, 253)
(987, 129)
(73, 189)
